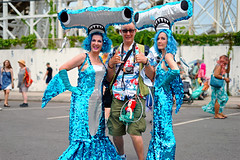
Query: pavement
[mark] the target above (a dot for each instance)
(233, 101)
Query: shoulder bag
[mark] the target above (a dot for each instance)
(215, 82)
(28, 81)
(107, 96)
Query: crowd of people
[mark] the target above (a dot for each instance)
(24, 77)
(130, 70)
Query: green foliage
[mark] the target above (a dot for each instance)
(30, 41)
(80, 39)
(236, 39)
(53, 7)
(72, 40)
(201, 40)
(145, 37)
(114, 36)
(5, 44)
(51, 42)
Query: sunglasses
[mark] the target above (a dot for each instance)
(128, 30)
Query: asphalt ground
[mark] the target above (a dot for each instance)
(34, 133)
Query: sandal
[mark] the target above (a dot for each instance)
(218, 116)
(223, 115)
(6, 105)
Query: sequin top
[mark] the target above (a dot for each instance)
(83, 145)
(162, 145)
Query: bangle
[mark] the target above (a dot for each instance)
(223, 78)
(147, 63)
(109, 66)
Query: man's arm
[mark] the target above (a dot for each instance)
(149, 69)
(111, 65)
(45, 75)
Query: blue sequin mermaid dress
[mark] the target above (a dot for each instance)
(162, 145)
(85, 142)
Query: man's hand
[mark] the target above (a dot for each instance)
(114, 60)
(140, 58)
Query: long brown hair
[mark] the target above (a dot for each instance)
(10, 66)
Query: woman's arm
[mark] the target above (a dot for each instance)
(217, 73)
(77, 61)
(170, 61)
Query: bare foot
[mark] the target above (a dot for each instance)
(223, 115)
(218, 116)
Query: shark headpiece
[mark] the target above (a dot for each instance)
(95, 19)
(163, 16)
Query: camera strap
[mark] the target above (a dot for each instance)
(134, 53)
(120, 67)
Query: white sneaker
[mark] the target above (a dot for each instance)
(0, 109)
(123, 157)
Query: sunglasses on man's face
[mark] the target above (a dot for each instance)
(128, 30)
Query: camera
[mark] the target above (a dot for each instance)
(128, 70)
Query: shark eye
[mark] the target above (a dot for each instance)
(65, 18)
(136, 17)
(126, 14)
(184, 5)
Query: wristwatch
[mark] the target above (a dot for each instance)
(147, 63)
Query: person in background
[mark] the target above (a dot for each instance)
(107, 109)
(201, 78)
(182, 72)
(219, 96)
(0, 84)
(7, 80)
(48, 73)
(195, 73)
(23, 87)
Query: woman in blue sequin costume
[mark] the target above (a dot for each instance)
(86, 121)
(219, 96)
(167, 82)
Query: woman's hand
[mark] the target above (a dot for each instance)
(227, 80)
(229, 60)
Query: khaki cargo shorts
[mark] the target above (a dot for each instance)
(118, 128)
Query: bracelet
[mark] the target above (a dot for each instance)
(223, 78)
(110, 67)
(147, 63)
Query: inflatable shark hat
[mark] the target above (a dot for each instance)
(95, 19)
(163, 16)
